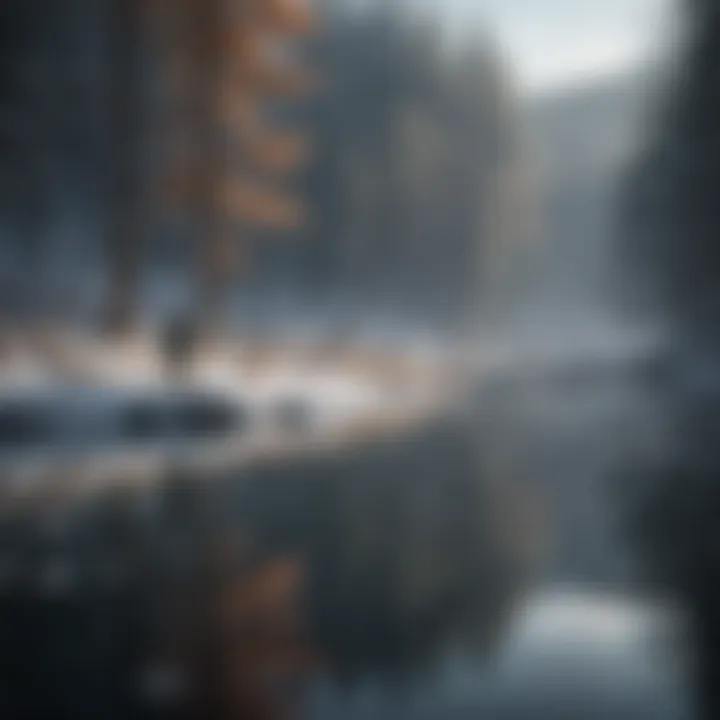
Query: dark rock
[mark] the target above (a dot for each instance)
(204, 415)
(23, 424)
(143, 420)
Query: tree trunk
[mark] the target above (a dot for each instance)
(705, 645)
(126, 202)
(210, 170)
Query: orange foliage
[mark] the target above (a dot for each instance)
(276, 152)
(226, 61)
(265, 599)
(260, 206)
(293, 17)
(255, 628)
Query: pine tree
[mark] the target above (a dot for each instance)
(227, 63)
(127, 218)
(231, 68)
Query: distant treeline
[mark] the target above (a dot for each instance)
(412, 136)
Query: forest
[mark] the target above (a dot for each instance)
(408, 155)
(530, 423)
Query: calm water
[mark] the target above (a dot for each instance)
(472, 569)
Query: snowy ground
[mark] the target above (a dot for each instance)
(83, 400)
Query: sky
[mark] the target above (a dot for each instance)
(556, 43)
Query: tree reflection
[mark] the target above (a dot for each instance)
(199, 595)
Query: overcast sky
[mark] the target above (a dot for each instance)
(552, 43)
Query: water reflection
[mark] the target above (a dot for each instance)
(215, 589)
(398, 576)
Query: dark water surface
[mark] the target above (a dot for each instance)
(471, 567)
